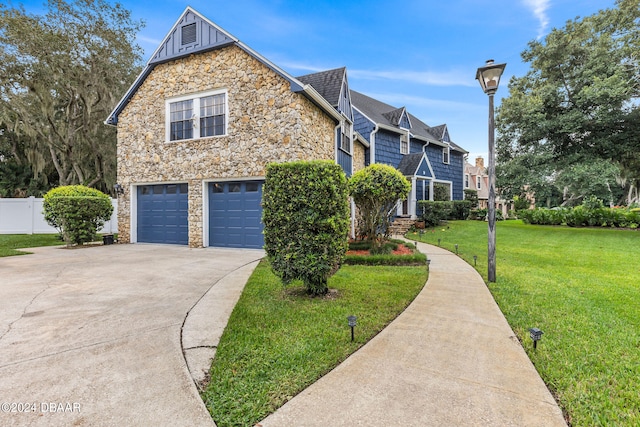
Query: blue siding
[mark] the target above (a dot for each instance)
(404, 122)
(387, 148)
(457, 170)
(362, 125)
(452, 172)
(345, 160)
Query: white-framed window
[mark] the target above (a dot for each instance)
(466, 180)
(404, 144)
(197, 116)
(345, 137)
(445, 155)
(479, 182)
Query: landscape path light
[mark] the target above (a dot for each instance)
(536, 335)
(489, 78)
(352, 324)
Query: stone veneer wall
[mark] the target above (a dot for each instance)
(358, 157)
(267, 122)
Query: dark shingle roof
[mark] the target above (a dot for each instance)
(326, 83)
(409, 163)
(383, 113)
(394, 116)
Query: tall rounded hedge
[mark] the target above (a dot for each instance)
(306, 221)
(77, 211)
(376, 190)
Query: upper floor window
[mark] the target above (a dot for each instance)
(445, 155)
(466, 181)
(193, 117)
(479, 182)
(404, 144)
(345, 137)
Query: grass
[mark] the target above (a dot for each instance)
(279, 341)
(580, 286)
(9, 243)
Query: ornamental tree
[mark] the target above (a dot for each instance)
(305, 211)
(376, 190)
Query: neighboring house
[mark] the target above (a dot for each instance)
(199, 125)
(477, 178)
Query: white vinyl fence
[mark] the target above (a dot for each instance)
(24, 216)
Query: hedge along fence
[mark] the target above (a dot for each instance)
(581, 216)
(433, 212)
(77, 211)
(306, 216)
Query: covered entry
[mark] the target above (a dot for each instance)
(235, 214)
(162, 213)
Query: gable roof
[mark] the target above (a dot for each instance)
(193, 33)
(384, 114)
(333, 86)
(413, 164)
(327, 83)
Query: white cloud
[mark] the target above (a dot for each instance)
(444, 78)
(539, 9)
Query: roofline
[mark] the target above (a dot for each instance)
(296, 85)
(362, 140)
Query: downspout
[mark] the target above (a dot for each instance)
(335, 140)
(372, 143)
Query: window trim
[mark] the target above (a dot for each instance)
(479, 182)
(346, 128)
(195, 97)
(406, 144)
(446, 155)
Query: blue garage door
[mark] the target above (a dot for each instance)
(235, 214)
(162, 214)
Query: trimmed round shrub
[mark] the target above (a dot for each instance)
(306, 216)
(78, 212)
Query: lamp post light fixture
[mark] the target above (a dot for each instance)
(439, 242)
(118, 189)
(456, 249)
(475, 260)
(352, 324)
(489, 78)
(536, 335)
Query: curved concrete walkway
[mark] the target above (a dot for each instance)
(450, 359)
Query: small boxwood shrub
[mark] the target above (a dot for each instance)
(78, 212)
(306, 221)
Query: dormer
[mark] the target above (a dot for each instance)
(399, 117)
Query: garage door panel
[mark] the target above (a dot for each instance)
(235, 214)
(162, 213)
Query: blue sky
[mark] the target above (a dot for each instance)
(421, 54)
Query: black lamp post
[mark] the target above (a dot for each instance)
(489, 78)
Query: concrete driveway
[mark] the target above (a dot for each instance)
(92, 336)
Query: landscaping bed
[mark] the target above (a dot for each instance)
(391, 252)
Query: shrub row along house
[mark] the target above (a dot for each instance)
(207, 114)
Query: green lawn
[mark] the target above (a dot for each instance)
(10, 242)
(279, 341)
(582, 288)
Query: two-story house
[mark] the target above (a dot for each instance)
(424, 154)
(199, 125)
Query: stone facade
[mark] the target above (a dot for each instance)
(267, 122)
(358, 156)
